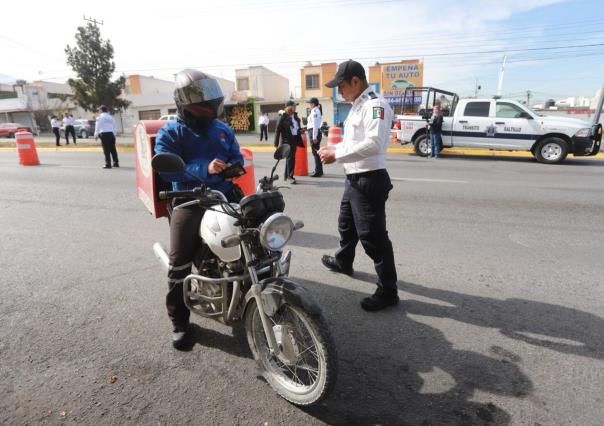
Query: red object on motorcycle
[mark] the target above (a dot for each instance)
(247, 182)
(148, 182)
(301, 167)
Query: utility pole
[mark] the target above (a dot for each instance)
(528, 98)
(477, 87)
(94, 21)
(501, 72)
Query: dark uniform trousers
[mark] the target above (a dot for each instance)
(263, 132)
(108, 144)
(315, 151)
(70, 130)
(363, 217)
(184, 241)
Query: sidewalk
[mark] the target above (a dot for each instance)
(249, 141)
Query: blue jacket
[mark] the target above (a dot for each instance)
(198, 151)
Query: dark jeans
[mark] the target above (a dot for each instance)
(184, 241)
(263, 132)
(57, 133)
(108, 143)
(290, 163)
(70, 130)
(315, 151)
(363, 217)
(436, 144)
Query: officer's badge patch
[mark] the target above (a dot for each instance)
(378, 112)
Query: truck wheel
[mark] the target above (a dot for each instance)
(83, 134)
(551, 150)
(421, 146)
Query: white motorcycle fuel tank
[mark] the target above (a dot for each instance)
(217, 225)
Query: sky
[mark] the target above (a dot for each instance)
(554, 48)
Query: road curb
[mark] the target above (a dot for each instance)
(264, 148)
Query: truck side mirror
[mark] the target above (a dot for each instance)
(526, 115)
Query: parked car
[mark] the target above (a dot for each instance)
(8, 130)
(83, 128)
(169, 117)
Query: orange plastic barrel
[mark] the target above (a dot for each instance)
(26, 147)
(301, 167)
(334, 135)
(247, 182)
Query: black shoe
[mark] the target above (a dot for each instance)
(293, 180)
(378, 302)
(181, 338)
(332, 264)
(58, 144)
(315, 174)
(116, 165)
(106, 166)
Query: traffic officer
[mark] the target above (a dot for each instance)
(207, 146)
(313, 128)
(363, 206)
(106, 129)
(288, 131)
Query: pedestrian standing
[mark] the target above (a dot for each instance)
(288, 131)
(68, 122)
(436, 128)
(263, 122)
(363, 206)
(313, 129)
(106, 129)
(55, 124)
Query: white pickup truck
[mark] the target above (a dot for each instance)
(497, 124)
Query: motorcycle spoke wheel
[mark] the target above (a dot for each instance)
(304, 371)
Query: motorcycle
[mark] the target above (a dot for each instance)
(242, 275)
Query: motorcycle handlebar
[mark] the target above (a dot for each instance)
(192, 193)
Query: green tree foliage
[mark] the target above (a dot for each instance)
(92, 61)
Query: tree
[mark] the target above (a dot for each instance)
(92, 61)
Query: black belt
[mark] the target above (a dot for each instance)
(370, 173)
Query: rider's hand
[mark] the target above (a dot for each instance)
(216, 166)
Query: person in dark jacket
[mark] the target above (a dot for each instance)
(288, 131)
(436, 128)
(207, 146)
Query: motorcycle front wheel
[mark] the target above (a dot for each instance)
(304, 372)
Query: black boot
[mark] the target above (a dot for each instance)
(379, 301)
(332, 264)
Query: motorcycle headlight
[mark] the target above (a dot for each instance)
(276, 231)
(583, 133)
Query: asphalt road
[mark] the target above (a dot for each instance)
(500, 271)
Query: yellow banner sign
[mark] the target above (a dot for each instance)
(398, 76)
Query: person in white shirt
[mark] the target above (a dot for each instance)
(68, 122)
(363, 207)
(56, 124)
(106, 130)
(263, 122)
(313, 129)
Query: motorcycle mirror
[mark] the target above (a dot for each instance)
(281, 152)
(167, 163)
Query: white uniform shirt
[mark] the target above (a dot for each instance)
(71, 121)
(66, 121)
(105, 123)
(366, 134)
(54, 123)
(263, 120)
(314, 122)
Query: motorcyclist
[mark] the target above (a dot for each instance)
(207, 146)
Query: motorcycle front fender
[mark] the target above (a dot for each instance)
(278, 291)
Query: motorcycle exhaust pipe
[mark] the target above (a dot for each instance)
(162, 256)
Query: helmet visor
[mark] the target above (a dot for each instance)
(203, 90)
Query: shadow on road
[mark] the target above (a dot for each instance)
(395, 370)
(236, 344)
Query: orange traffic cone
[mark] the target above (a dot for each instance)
(26, 147)
(334, 135)
(301, 167)
(247, 182)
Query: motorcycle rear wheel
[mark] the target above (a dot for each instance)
(305, 372)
